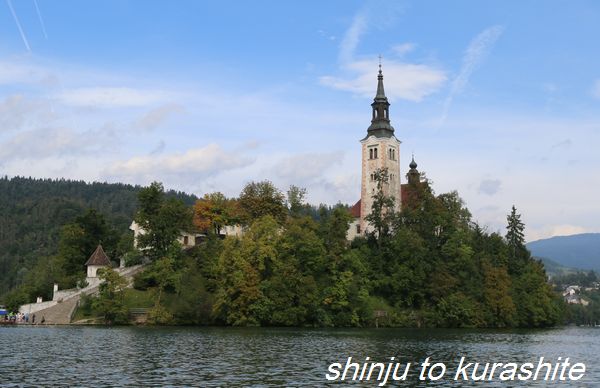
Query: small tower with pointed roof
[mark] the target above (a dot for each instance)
(97, 260)
(413, 176)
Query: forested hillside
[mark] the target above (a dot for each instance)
(32, 212)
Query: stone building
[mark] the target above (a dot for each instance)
(380, 149)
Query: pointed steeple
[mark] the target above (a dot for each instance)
(380, 91)
(380, 122)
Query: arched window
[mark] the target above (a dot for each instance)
(374, 153)
(371, 153)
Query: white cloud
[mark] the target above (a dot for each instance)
(18, 112)
(155, 117)
(404, 48)
(402, 80)
(111, 97)
(555, 230)
(596, 89)
(194, 163)
(352, 37)
(307, 167)
(15, 71)
(59, 142)
(476, 52)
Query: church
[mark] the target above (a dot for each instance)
(380, 149)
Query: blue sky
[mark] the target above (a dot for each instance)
(498, 100)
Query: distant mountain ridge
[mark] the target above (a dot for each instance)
(578, 250)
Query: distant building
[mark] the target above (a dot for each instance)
(572, 295)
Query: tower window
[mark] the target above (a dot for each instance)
(392, 153)
(372, 152)
(357, 229)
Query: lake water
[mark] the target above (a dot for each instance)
(205, 357)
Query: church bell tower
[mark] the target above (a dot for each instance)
(380, 149)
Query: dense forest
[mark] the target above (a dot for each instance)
(428, 265)
(33, 212)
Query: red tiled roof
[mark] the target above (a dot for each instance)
(355, 210)
(404, 190)
(98, 258)
(405, 197)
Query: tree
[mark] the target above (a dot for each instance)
(167, 278)
(514, 234)
(77, 241)
(498, 301)
(243, 267)
(213, 212)
(334, 227)
(163, 220)
(111, 295)
(383, 211)
(259, 199)
(295, 200)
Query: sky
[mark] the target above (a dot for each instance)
(499, 100)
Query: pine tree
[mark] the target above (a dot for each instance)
(514, 235)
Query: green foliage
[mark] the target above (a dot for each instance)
(580, 278)
(160, 315)
(163, 219)
(428, 265)
(110, 300)
(77, 242)
(213, 212)
(259, 199)
(515, 238)
(382, 215)
(295, 200)
(33, 214)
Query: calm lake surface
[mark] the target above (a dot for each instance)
(210, 357)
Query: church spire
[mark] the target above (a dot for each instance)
(380, 122)
(380, 91)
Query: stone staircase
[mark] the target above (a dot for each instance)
(59, 314)
(62, 312)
